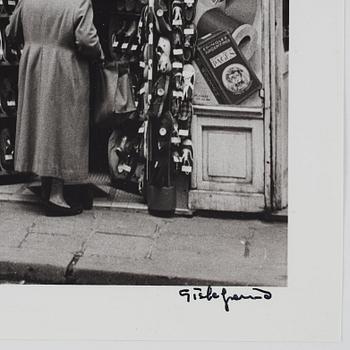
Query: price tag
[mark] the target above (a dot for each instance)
(134, 47)
(186, 169)
(124, 167)
(142, 64)
(177, 22)
(12, 2)
(8, 157)
(178, 51)
(177, 93)
(142, 91)
(177, 65)
(115, 44)
(183, 132)
(188, 31)
(11, 103)
(124, 46)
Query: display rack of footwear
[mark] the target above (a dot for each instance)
(9, 57)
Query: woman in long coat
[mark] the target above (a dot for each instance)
(52, 137)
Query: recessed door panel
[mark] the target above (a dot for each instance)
(228, 155)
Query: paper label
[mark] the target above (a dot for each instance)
(186, 169)
(177, 65)
(11, 103)
(115, 44)
(124, 46)
(178, 51)
(177, 22)
(177, 93)
(176, 159)
(175, 140)
(8, 157)
(11, 2)
(134, 47)
(142, 64)
(141, 130)
(189, 31)
(183, 132)
(124, 167)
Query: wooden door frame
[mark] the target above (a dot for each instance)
(276, 105)
(267, 63)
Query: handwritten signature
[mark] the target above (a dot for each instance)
(195, 294)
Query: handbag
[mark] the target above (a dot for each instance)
(113, 100)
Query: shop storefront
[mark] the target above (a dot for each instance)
(209, 83)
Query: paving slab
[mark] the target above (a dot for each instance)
(34, 265)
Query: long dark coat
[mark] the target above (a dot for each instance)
(52, 137)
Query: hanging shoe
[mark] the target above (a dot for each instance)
(8, 97)
(189, 10)
(187, 156)
(116, 41)
(188, 82)
(161, 17)
(177, 44)
(163, 53)
(190, 42)
(185, 118)
(160, 94)
(176, 11)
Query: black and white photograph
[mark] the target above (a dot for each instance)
(144, 142)
(171, 170)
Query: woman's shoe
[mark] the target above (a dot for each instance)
(54, 210)
(87, 197)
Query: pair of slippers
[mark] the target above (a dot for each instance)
(184, 162)
(124, 42)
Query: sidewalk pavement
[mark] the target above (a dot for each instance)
(123, 247)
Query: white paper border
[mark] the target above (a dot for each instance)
(309, 309)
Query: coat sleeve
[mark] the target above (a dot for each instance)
(14, 30)
(86, 38)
